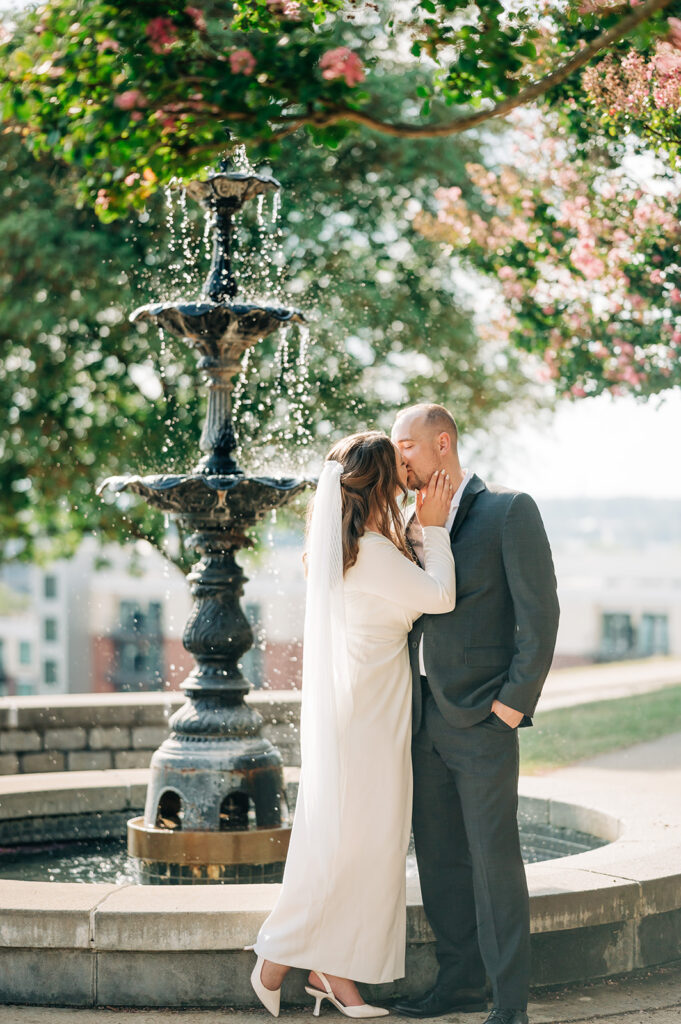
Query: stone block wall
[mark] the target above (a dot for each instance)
(85, 732)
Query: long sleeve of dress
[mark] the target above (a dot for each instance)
(386, 573)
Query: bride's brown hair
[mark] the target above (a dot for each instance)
(369, 486)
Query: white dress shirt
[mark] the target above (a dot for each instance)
(415, 534)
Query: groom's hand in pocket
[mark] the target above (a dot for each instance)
(510, 716)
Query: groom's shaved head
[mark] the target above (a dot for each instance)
(434, 418)
(426, 436)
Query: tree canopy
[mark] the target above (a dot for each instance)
(88, 395)
(136, 94)
(392, 126)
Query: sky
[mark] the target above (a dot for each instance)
(596, 447)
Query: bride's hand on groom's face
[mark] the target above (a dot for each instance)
(433, 501)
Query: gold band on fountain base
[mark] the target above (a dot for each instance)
(186, 858)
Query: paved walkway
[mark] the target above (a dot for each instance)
(654, 998)
(566, 687)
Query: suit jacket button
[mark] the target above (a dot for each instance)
(414, 643)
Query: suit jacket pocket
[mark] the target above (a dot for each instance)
(487, 656)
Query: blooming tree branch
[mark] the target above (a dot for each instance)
(526, 96)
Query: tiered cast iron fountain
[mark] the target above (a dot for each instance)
(216, 807)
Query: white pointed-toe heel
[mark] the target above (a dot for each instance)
(270, 998)
(365, 1010)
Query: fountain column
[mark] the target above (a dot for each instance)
(216, 807)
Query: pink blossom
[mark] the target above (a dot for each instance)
(131, 178)
(103, 199)
(674, 32)
(108, 44)
(577, 391)
(584, 259)
(667, 61)
(675, 296)
(342, 63)
(162, 33)
(676, 339)
(197, 16)
(667, 66)
(630, 376)
(448, 195)
(242, 62)
(130, 99)
(656, 277)
(551, 369)
(288, 8)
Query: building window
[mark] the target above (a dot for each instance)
(155, 612)
(50, 628)
(25, 653)
(653, 637)
(50, 671)
(138, 647)
(50, 586)
(618, 639)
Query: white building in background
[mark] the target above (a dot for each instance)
(112, 620)
(274, 601)
(76, 627)
(618, 603)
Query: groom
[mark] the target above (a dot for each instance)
(478, 672)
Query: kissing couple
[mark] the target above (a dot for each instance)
(426, 645)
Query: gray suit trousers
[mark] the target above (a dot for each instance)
(470, 865)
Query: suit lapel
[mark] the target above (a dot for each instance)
(473, 488)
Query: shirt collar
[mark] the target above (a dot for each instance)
(456, 500)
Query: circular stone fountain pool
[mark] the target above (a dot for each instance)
(594, 913)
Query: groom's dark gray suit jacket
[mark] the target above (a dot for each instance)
(498, 641)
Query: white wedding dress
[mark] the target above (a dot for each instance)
(341, 907)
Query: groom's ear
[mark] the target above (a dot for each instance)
(444, 443)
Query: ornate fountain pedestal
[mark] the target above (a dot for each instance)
(216, 807)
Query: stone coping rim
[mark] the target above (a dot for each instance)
(162, 697)
(117, 788)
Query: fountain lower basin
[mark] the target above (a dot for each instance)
(209, 856)
(130, 945)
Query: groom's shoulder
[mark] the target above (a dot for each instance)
(497, 493)
(499, 497)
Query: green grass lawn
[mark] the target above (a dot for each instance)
(567, 735)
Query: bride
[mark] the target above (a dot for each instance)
(341, 911)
